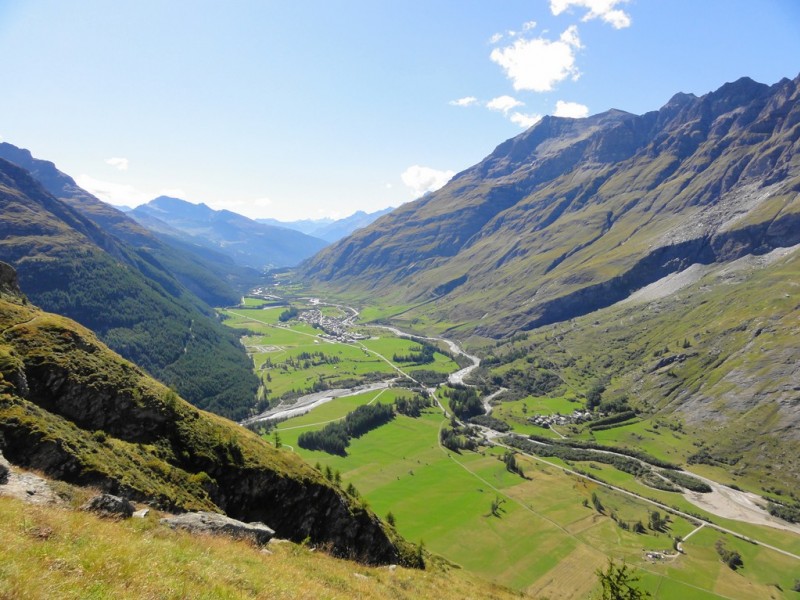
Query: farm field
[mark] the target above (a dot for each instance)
(293, 358)
(544, 541)
(541, 534)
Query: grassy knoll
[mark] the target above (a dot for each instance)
(59, 553)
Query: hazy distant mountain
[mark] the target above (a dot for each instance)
(307, 226)
(213, 277)
(331, 230)
(248, 242)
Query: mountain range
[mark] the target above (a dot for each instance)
(652, 256)
(83, 259)
(576, 214)
(331, 230)
(247, 242)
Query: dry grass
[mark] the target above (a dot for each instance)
(60, 553)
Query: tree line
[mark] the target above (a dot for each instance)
(334, 438)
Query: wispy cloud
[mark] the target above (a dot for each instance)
(425, 179)
(539, 64)
(113, 193)
(503, 104)
(524, 120)
(118, 163)
(466, 101)
(605, 10)
(571, 109)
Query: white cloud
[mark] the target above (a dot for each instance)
(606, 10)
(118, 163)
(172, 193)
(539, 64)
(424, 179)
(524, 120)
(495, 38)
(466, 101)
(113, 193)
(503, 104)
(528, 25)
(571, 109)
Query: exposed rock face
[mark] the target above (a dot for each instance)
(216, 524)
(9, 286)
(5, 469)
(107, 505)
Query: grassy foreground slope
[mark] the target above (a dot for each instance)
(59, 553)
(78, 412)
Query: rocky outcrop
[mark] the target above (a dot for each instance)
(108, 505)
(5, 469)
(9, 285)
(216, 524)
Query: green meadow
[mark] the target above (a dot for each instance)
(545, 536)
(294, 358)
(543, 540)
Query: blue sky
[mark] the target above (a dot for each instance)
(306, 109)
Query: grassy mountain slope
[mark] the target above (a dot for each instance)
(73, 409)
(211, 276)
(48, 553)
(575, 214)
(247, 242)
(716, 360)
(69, 265)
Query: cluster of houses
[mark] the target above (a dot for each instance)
(578, 416)
(335, 329)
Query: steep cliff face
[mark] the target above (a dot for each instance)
(575, 214)
(73, 409)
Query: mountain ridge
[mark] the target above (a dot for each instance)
(68, 264)
(247, 242)
(569, 207)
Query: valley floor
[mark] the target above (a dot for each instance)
(539, 534)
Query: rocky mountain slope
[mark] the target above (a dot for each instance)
(76, 411)
(576, 214)
(69, 265)
(247, 242)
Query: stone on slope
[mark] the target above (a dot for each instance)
(216, 524)
(107, 505)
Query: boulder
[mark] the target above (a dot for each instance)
(107, 505)
(5, 469)
(216, 524)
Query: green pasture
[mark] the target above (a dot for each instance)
(543, 530)
(276, 349)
